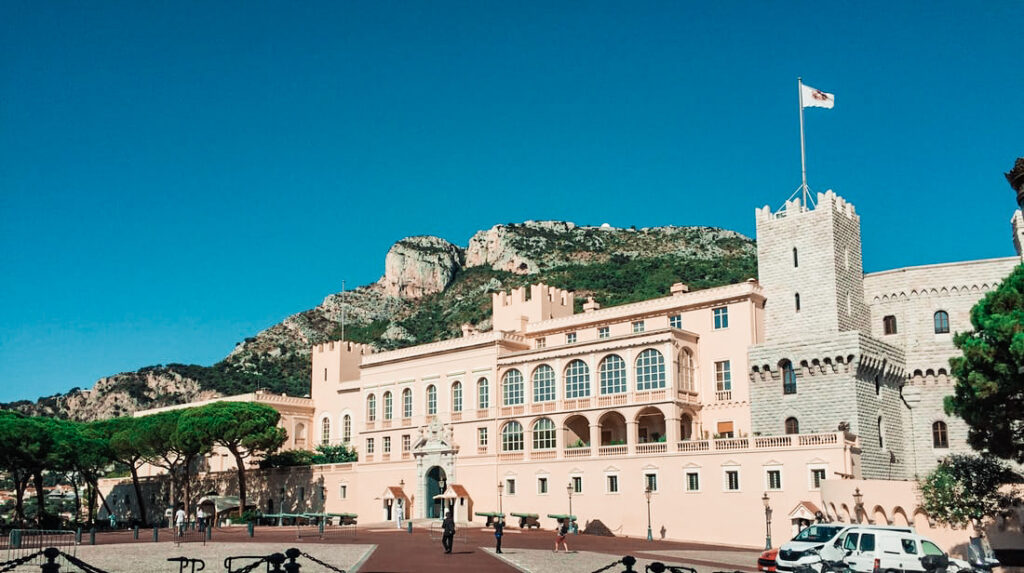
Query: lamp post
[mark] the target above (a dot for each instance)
(858, 503)
(767, 521)
(647, 494)
(569, 489)
(501, 488)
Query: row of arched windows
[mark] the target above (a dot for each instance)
(346, 430)
(482, 392)
(940, 321)
(544, 436)
(649, 373)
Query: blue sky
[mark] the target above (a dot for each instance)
(177, 176)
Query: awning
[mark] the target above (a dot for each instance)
(804, 510)
(394, 492)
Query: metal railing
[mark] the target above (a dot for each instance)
(22, 542)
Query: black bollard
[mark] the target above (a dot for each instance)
(276, 560)
(292, 554)
(78, 535)
(321, 528)
(135, 532)
(156, 533)
(51, 565)
(629, 561)
(92, 536)
(15, 539)
(209, 533)
(251, 527)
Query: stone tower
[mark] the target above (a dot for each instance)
(819, 366)
(1016, 179)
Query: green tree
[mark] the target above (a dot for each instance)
(166, 444)
(17, 456)
(81, 449)
(244, 429)
(989, 391)
(127, 449)
(965, 489)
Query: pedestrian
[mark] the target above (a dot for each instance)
(201, 519)
(563, 530)
(448, 534)
(113, 520)
(499, 529)
(179, 521)
(399, 513)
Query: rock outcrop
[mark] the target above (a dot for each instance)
(418, 266)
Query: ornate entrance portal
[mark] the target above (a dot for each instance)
(435, 468)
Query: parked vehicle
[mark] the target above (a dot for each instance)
(873, 550)
(766, 561)
(980, 555)
(820, 535)
(822, 565)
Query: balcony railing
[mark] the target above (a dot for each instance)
(406, 422)
(481, 450)
(758, 442)
(456, 416)
(483, 412)
(368, 457)
(723, 395)
(385, 424)
(510, 456)
(406, 455)
(539, 407)
(576, 452)
(370, 424)
(652, 448)
(613, 450)
(613, 400)
(386, 456)
(543, 455)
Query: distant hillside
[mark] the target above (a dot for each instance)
(429, 289)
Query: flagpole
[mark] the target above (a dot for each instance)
(803, 158)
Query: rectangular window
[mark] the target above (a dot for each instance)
(542, 485)
(570, 338)
(325, 374)
(817, 476)
(725, 429)
(692, 481)
(613, 484)
(369, 445)
(774, 479)
(542, 342)
(386, 443)
(344, 491)
(675, 321)
(302, 493)
(723, 376)
(510, 486)
(732, 480)
(721, 317)
(481, 437)
(651, 482)
(577, 484)
(889, 324)
(406, 442)
(602, 332)
(638, 326)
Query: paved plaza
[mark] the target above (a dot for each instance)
(381, 548)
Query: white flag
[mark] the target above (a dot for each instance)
(816, 98)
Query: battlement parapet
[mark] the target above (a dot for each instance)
(795, 207)
(346, 346)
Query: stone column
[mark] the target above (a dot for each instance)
(631, 436)
(595, 438)
(672, 431)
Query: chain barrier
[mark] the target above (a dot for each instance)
(629, 561)
(10, 565)
(659, 567)
(247, 568)
(321, 563)
(80, 564)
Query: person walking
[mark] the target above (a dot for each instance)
(399, 513)
(448, 535)
(179, 521)
(201, 519)
(499, 529)
(563, 530)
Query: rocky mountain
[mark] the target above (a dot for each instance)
(431, 287)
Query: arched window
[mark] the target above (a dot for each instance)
(792, 426)
(650, 370)
(940, 438)
(387, 405)
(788, 377)
(941, 322)
(686, 369)
(346, 429)
(512, 437)
(881, 433)
(431, 400)
(878, 385)
(796, 261)
(612, 372)
(457, 396)
(325, 431)
(543, 434)
(512, 388)
(577, 379)
(889, 324)
(407, 403)
(483, 394)
(371, 408)
(543, 383)
(797, 297)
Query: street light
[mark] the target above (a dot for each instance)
(569, 489)
(501, 488)
(767, 521)
(647, 494)
(858, 503)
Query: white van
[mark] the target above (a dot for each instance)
(820, 536)
(870, 550)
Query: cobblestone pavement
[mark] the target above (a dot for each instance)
(546, 560)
